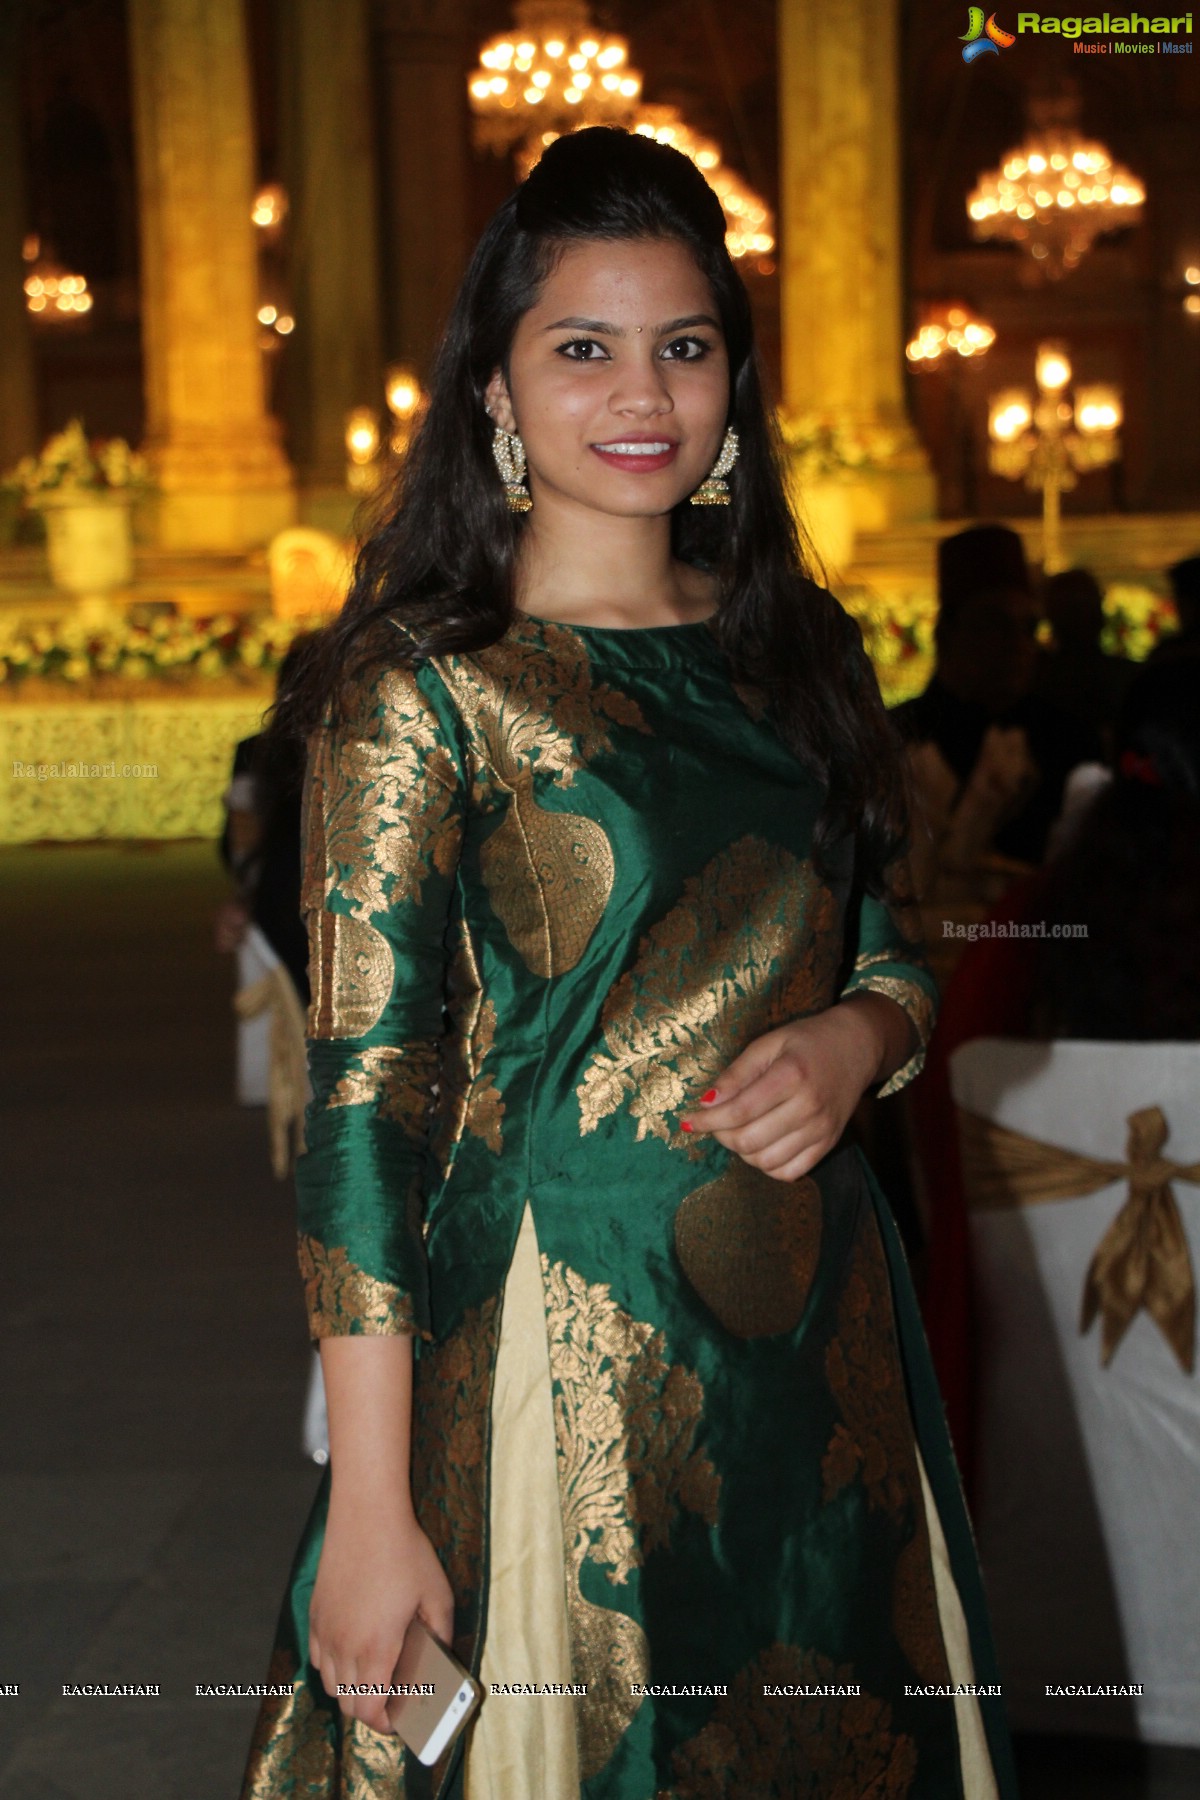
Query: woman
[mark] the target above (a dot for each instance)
(608, 777)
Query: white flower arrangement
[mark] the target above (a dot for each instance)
(179, 651)
(69, 464)
(820, 448)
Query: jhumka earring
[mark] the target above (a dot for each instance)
(509, 453)
(713, 491)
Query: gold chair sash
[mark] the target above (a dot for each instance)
(1142, 1260)
(287, 1065)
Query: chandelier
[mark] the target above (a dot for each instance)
(749, 223)
(947, 332)
(554, 72)
(1054, 195)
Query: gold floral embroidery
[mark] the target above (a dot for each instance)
(751, 944)
(351, 974)
(344, 1300)
(372, 1764)
(625, 1423)
(916, 1002)
(916, 1624)
(468, 1100)
(397, 1079)
(531, 708)
(749, 1245)
(874, 1441)
(451, 1403)
(807, 1747)
(381, 801)
(292, 1751)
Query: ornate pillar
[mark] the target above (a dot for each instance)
(840, 261)
(425, 60)
(18, 395)
(224, 481)
(335, 356)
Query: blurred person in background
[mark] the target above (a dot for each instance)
(1073, 673)
(1130, 875)
(1185, 590)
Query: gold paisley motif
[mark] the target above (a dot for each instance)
(451, 1406)
(397, 1079)
(798, 1747)
(381, 800)
(468, 1100)
(749, 1245)
(530, 708)
(351, 975)
(625, 1425)
(751, 944)
(549, 876)
(292, 1751)
(343, 1299)
(874, 1442)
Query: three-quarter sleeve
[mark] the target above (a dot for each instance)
(383, 813)
(885, 955)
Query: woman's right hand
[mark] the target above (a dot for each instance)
(377, 1570)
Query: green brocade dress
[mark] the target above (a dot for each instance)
(552, 888)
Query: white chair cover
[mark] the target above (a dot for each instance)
(255, 958)
(1088, 1512)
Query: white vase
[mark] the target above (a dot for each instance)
(89, 544)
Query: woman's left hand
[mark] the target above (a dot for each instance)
(785, 1101)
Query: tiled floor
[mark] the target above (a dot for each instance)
(154, 1356)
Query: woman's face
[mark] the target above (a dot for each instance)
(618, 379)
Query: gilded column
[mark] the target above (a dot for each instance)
(840, 261)
(335, 356)
(425, 54)
(18, 400)
(224, 480)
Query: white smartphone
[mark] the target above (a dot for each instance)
(440, 1695)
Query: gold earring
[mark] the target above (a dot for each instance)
(509, 453)
(713, 491)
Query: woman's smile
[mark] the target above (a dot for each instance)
(639, 455)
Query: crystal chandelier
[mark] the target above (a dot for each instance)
(1054, 195)
(749, 223)
(554, 72)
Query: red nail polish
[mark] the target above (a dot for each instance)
(706, 1098)
(684, 1125)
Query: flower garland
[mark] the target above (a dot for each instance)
(177, 652)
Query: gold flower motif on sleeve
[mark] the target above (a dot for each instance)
(343, 1300)
(396, 1079)
(809, 1747)
(468, 1099)
(751, 943)
(351, 974)
(625, 1423)
(381, 801)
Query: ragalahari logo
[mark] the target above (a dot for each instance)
(983, 39)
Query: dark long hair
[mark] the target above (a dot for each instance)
(1132, 878)
(441, 555)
